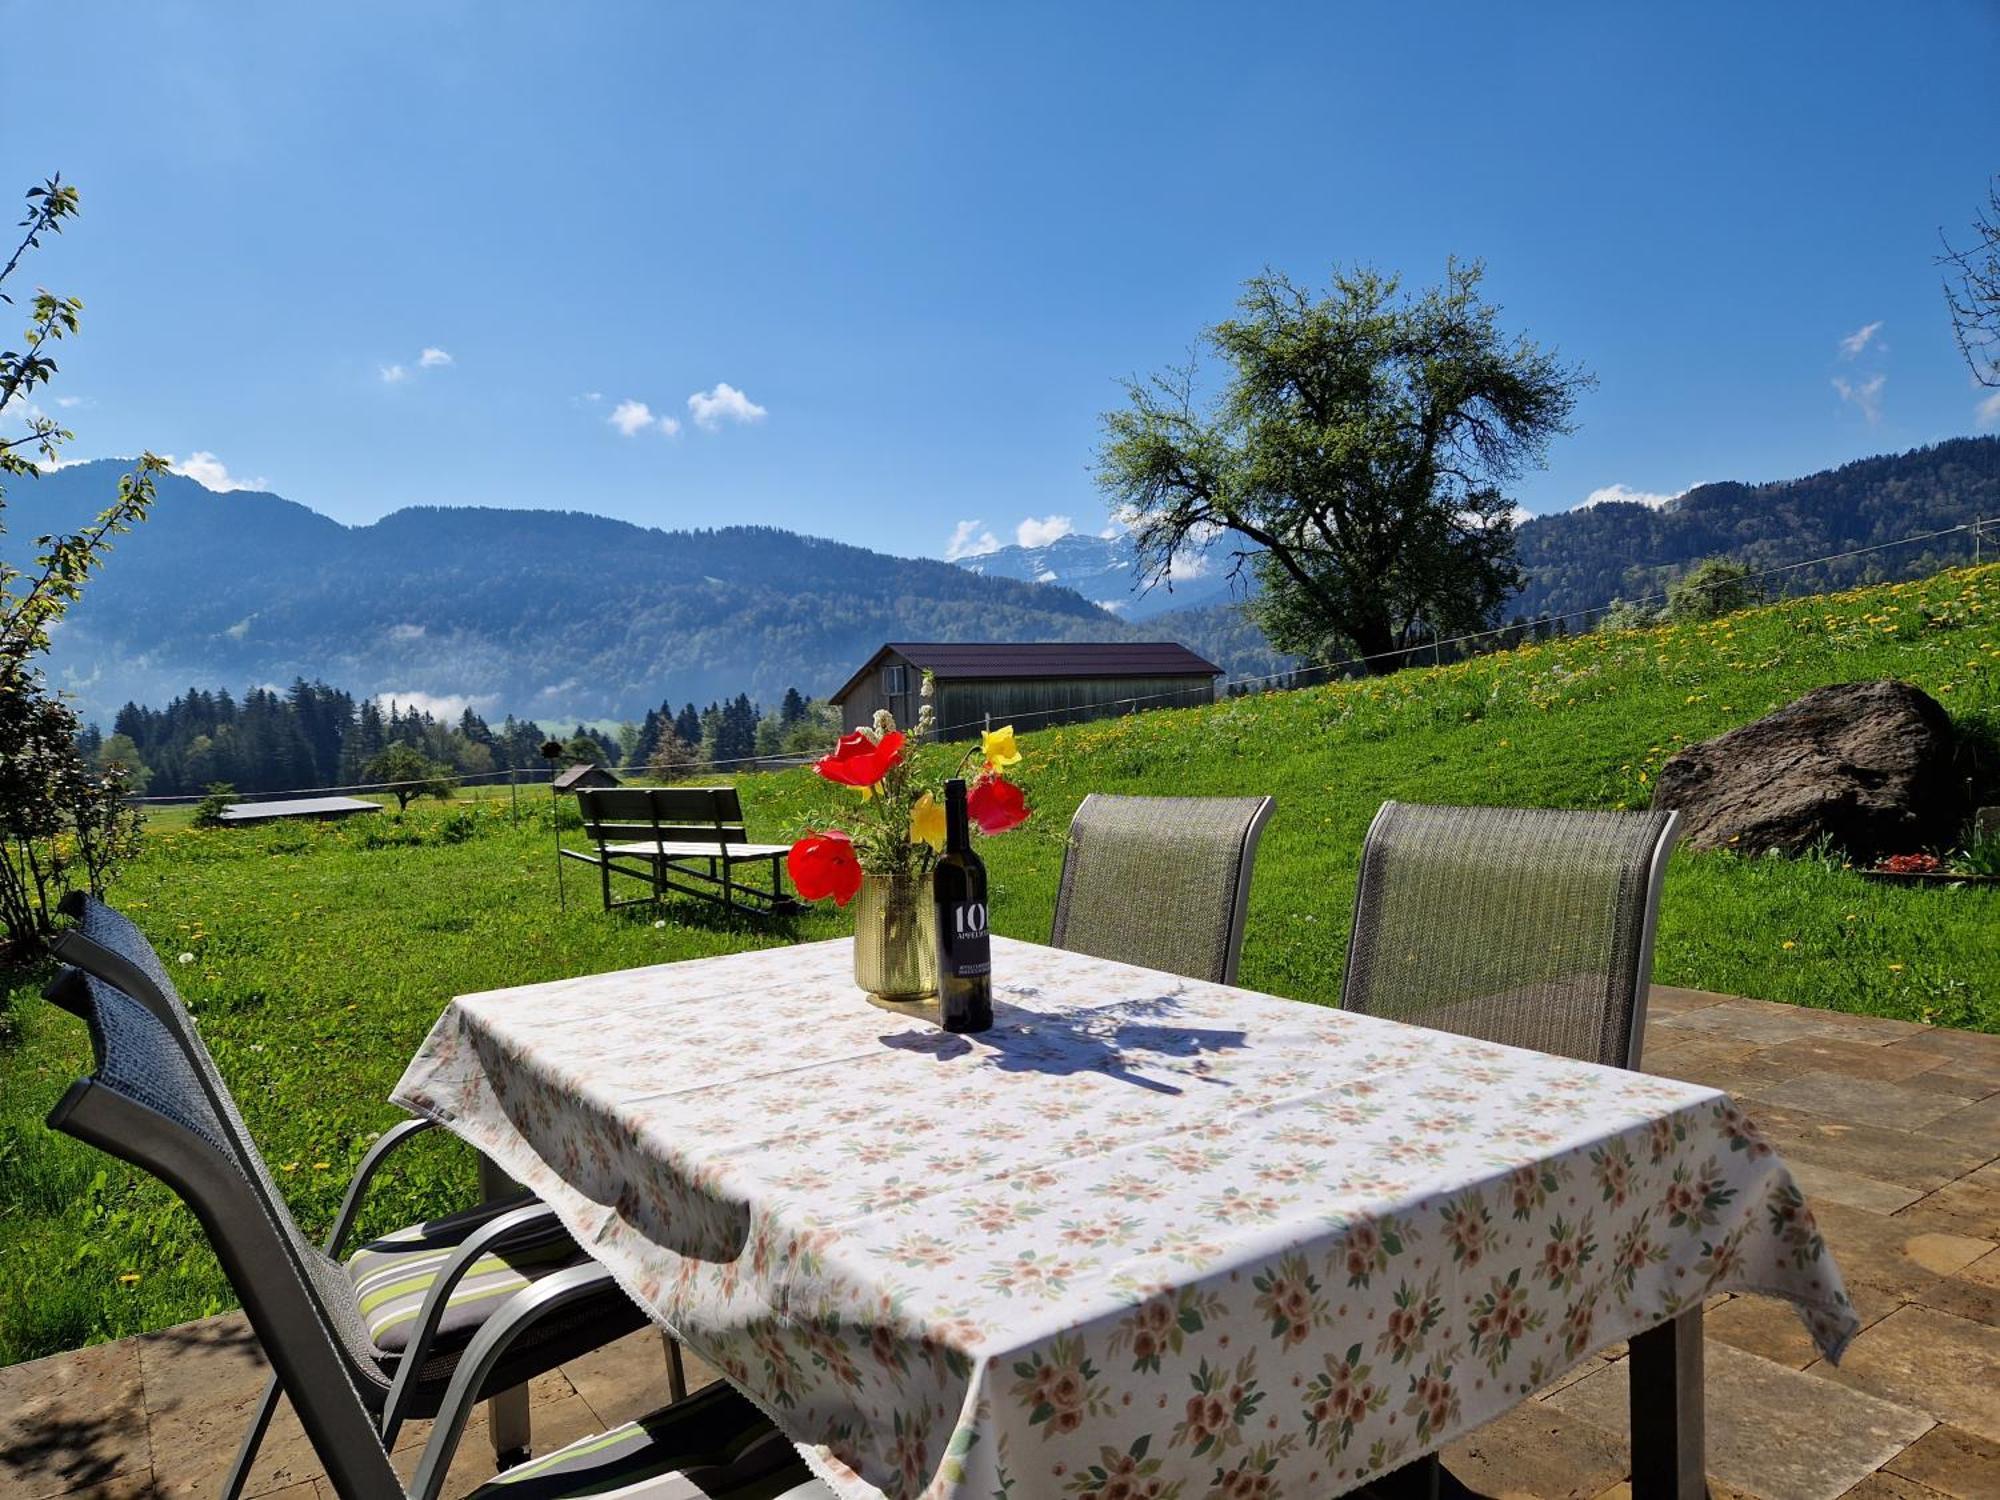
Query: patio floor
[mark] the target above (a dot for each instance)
(1893, 1130)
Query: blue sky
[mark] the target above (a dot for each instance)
(872, 271)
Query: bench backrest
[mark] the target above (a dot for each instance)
(662, 814)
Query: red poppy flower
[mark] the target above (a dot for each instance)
(860, 759)
(996, 805)
(822, 865)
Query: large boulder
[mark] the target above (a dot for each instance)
(1868, 763)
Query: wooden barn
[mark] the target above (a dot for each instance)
(1030, 685)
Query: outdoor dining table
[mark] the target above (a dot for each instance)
(1146, 1236)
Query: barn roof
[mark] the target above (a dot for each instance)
(959, 661)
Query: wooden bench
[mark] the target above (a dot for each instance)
(689, 839)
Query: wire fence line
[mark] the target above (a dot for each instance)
(1332, 667)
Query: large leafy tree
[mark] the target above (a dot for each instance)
(1359, 454)
(63, 820)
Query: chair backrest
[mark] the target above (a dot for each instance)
(1163, 882)
(662, 814)
(1529, 926)
(144, 1105)
(106, 943)
(107, 946)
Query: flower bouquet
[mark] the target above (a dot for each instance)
(885, 860)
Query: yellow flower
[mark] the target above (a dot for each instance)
(1788, 944)
(927, 822)
(997, 745)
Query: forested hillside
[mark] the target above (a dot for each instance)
(1582, 559)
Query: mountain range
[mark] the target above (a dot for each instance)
(557, 614)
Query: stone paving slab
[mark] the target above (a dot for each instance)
(1894, 1130)
(1774, 1432)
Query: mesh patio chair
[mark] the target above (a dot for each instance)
(1162, 882)
(1528, 926)
(145, 1105)
(406, 1303)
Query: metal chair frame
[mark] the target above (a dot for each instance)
(189, 1156)
(405, 1394)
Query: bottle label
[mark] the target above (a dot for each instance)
(967, 950)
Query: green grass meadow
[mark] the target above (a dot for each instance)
(317, 956)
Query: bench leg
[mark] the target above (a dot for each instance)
(1668, 1440)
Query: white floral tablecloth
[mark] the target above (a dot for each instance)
(1146, 1237)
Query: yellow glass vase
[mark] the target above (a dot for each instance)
(895, 938)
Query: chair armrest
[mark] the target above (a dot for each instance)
(371, 1163)
(402, 1390)
(520, 1313)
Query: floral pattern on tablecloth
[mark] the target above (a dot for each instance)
(1146, 1237)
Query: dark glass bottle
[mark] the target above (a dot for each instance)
(965, 960)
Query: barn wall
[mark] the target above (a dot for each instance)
(1036, 703)
(857, 710)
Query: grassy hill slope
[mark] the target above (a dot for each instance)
(317, 957)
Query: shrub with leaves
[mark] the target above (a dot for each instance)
(214, 803)
(65, 823)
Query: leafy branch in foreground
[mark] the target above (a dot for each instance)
(61, 818)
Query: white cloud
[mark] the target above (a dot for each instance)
(208, 471)
(66, 402)
(432, 358)
(1615, 494)
(723, 404)
(406, 632)
(1034, 533)
(1855, 342)
(1110, 534)
(394, 374)
(1987, 413)
(1188, 565)
(970, 539)
(1865, 396)
(437, 705)
(635, 417)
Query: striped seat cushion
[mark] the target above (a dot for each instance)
(391, 1276)
(713, 1446)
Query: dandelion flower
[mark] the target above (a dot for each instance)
(187, 958)
(1788, 945)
